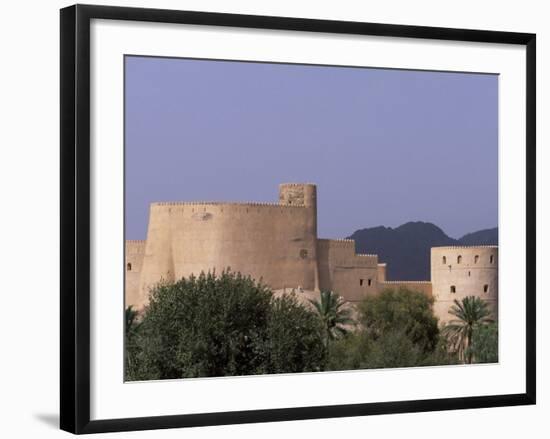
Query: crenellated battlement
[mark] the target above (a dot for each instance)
(134, 246)
(298, 194)
(458, 247)
(343, 242)
(402, 282)
(222, 204)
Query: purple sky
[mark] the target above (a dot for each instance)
(384, 146)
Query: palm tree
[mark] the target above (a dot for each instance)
(470, 312)
(333, 315)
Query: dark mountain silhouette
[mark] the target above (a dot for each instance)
(483, 237)
(406, 249)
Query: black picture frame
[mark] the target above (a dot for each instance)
(75, 218)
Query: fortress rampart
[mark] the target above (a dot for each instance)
(277, 243)
(341, 269)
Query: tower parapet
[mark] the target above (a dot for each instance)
(301, 194)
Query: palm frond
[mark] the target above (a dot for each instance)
(332, 311)
(469, 312)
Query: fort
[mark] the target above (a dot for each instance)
(278, 244)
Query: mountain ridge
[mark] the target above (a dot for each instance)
(406, 248)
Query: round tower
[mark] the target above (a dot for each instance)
(461, 271)
(157, 263)
(304, 194)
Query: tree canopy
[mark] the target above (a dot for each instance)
(220, 325)
(397, 329)
(404, 311)
(484, 348)
(229, 324)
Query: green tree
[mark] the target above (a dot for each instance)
(394, 349)
(131, 319)
(401, 311)
(333, 313)
(470, 313)
(131, 328)
(397, 329)
(441, 355)
(219, 325)
(484, 348)
(360, 351)
(349, 352)
(294, 338)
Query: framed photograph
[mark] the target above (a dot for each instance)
(275, 218)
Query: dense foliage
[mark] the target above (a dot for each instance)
(397, 329)
(228, 324)
(294, 338)
(222, 325)
(404, 311)
(484, 348)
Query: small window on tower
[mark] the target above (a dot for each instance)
(453, 289)
(444, 260)
(459, 259)
(491, 259)
(369, 282)
(360, 282)
(129, 266)
(485, 288)
(476, 258)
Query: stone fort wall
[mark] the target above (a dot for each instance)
(133, 264)
(277, 244)
(351, 275)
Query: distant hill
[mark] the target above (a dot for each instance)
(482, 237)
(406, 249)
